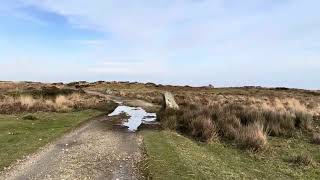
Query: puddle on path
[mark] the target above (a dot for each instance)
(137, 116)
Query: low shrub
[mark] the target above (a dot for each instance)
(168, 118)
(170, 122)
(303, 120)
(203, 128)
(229, 126)
(29, 117)
(302, 159)
(252, 136)
(278, 123)
(53, 91)
(316, 138)
(249, 116)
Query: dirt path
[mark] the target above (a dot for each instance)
(94, 151)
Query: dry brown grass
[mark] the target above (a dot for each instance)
(229, 126)
(252, 136)
(203, 128)
(60, 103)
(279, 99)
(27, 101)
(246, 125)
(237, 114)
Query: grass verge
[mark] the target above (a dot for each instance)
(21, 135)
(172, 156)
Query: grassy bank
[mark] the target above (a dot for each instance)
(172, 156)
(23, 134)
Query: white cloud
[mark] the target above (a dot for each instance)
(129, 68)
(91, 42)
(177, 25)
(205, 36)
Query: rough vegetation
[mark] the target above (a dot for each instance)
(248, 127)
(272, 131)
(172, 156)
(60, 103)
(33, 114)
(246, 116)
(250, 132)
(48, 99)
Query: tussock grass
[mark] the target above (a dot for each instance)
(27, 101)
(316, 138)
(242, 115)
(29, 117)
(247, 126)
(252, 136)
(276, 123)
(302, 159)
(303, 120)
(59, 103)
(203, 128)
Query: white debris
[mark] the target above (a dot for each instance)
(137, 116)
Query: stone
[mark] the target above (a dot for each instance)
(169, 101)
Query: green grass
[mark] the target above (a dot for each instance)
(20, 137)
(172, 156)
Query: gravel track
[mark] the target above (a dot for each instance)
(96, 150)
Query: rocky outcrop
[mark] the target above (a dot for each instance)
(169, 101)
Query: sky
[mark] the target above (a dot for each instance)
(272, 43)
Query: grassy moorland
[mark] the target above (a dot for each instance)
(218, 133)
(33, 114)
(230, 133)
(173, 156)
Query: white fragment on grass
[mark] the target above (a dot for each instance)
(137, 116)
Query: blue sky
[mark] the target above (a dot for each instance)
(196, 42)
